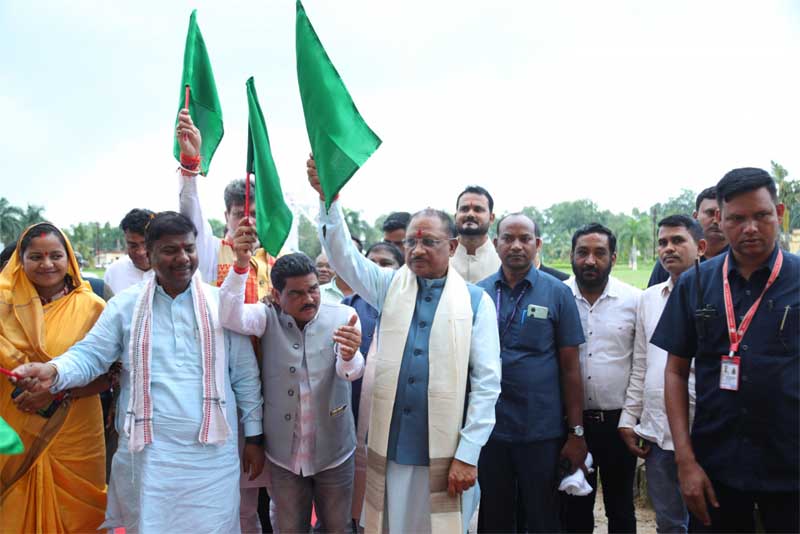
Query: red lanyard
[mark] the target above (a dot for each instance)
(734, 334)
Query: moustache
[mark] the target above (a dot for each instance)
(309, 307)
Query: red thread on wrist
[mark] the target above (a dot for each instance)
(190, 162)
(241, 270)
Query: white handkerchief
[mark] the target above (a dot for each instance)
(576, 483)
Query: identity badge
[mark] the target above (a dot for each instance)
(729, 373)
(537, 312)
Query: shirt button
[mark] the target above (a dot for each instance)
(291, 392)
(417, 352)
(406, 411)
(292, 369)
(261, 283)
(288, 417)
(411, 380)
(422, 324)
(744, 347)
(296, 345)
(590, 354)
(427, 299)
(290, 325)
(589, 378)
(747, 292)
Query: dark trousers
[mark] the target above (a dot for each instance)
(616, 466)
(528, 471)
(778, 511)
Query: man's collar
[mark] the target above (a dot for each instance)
(429, 283)
(769, 265)
(461, 250)
(669, 285)
(610, 290)
(531, 276)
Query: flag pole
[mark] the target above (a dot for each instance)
(186, 106)
(247, 196)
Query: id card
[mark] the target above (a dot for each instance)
(729, 373)
(537, 312)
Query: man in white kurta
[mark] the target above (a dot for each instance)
(412, 503)
(475, 257)
(175, 482)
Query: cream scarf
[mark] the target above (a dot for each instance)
(448, 357)
(214, 428)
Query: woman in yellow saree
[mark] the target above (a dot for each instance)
(58, 483)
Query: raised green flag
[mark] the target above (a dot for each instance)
(340, 139)
(203, 101)
(10, 443)
(273, 216)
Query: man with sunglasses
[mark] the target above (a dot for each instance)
(437, 333)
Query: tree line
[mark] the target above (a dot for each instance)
(636, 231)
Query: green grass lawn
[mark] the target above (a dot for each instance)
(636, 278)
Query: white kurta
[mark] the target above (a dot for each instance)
(176, 484)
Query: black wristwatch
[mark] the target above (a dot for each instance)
(254, 440)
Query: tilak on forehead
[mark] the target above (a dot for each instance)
(419, 232)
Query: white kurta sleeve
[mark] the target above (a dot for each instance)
(207, 243)
(485, 370)
(245, 382)
(234, 314)
(632, 410)
(370, 281)
(94, 354)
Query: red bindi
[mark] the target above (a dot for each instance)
(43, 235)
(419, 233)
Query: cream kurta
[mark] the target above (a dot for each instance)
(474, 268)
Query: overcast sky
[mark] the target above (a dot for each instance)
(621, 102)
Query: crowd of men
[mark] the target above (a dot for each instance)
(459, 374)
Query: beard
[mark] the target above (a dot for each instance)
(478, 230)
(599, 280)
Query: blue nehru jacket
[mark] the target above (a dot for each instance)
(747, 439)
(530, 404)
(408, 432)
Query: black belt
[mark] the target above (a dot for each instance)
(600, 416)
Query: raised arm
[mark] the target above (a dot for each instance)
(208, 244)
(234, 314)
(367, 279)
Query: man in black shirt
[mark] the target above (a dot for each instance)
(745, 440)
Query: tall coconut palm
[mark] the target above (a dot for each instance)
(32, 215)
(10, 221)
(635, 233)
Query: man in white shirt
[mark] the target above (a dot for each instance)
(680, 243)
(607, 308)
(135, 266)
(475, 257)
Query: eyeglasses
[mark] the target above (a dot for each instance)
(427, 242)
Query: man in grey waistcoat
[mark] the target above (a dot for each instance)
(310, 356)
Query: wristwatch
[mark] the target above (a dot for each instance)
(577, 430)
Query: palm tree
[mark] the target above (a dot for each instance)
(10, 221)
(633, 234)
(32, 215)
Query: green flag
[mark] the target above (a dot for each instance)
(9, 440)
(340, 139)
(273, 216)
(203, 101)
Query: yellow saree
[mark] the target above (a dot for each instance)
(58, 483)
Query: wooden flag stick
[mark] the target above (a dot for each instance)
(247, 195)
(186, 107)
